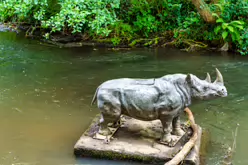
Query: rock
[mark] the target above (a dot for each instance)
(135, 140)
(225, 47)
(3, 28)
(7, 28)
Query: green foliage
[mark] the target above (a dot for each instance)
(235, 10)
(122, 30)
(147, 24)
(229, 31)
(188, 27)
(243, 45)
(80, 16)
(130, 21)
(68, 15)
(151, 16)
(22, 10)
(232, 24)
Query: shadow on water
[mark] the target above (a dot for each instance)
(45, 96)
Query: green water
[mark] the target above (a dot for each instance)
(45, 95)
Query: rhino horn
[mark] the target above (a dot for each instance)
(208, 78)
(219, 78)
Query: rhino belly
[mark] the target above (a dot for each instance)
(140, 103)
(144, 115)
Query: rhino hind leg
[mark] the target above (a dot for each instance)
(176, 127)
(108, 120)
(103, 129)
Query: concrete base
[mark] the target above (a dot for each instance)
(135, 140)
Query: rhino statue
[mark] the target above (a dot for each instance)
(162, 98)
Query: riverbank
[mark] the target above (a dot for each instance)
(131, 23)
(71, 41)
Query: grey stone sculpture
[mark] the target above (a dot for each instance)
(161, 98)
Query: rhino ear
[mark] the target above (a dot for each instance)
(188, 79)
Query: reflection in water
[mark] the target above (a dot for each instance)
(45, 97)
(90, 161)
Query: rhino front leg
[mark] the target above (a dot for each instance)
(176, 127)
(167, 128)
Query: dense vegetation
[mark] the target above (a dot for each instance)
(137, 22)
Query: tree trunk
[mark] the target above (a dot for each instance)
(214, 1)
(204, 11)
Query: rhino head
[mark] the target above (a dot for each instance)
(205, 89)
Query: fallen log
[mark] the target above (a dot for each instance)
(188, 146)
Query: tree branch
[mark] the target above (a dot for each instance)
(187, 147)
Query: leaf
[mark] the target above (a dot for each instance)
(224, 25)
(230, 28)
(237, 35)
(216, 15)
(220, 6)
(239, 26)
(217, 29)
(233, 37)
(219, 20)
(133, 43)
(224, 35)
(237, 22)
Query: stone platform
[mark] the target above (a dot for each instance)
(134, 140)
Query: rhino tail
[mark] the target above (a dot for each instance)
(94, 97)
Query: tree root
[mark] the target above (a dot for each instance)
(188, 146)
(30, 31)
(146, 42)
(192, 45)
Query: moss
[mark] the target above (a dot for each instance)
(148, 41)
(115, 155)
(106, 40)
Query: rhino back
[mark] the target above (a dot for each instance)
(137, 100)
(122, 82)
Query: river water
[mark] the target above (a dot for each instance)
(46, 91)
